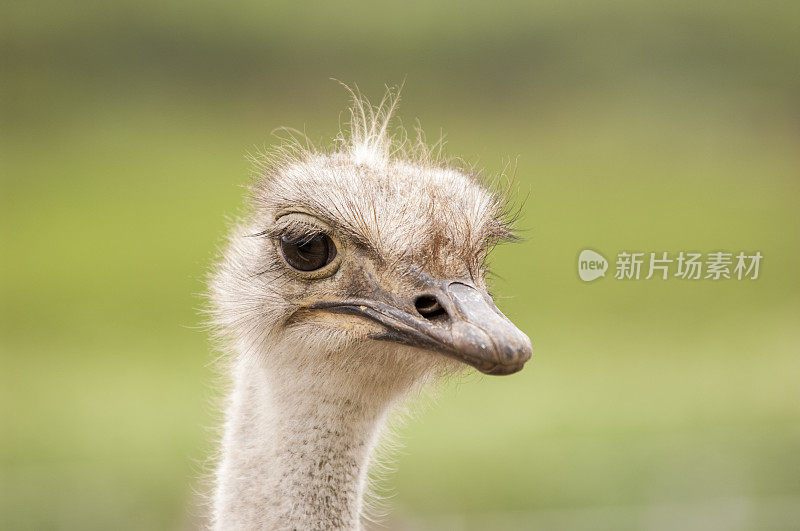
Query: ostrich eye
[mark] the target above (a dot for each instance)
(308, 253)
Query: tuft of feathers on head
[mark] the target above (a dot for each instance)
(368, 140)
(365, 137)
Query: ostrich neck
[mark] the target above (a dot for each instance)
(295, 455)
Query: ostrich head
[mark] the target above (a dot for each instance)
(365, 264)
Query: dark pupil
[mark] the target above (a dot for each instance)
(308, 254)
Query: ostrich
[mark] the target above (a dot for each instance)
(357, 276)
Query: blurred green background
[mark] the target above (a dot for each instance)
(640, 126)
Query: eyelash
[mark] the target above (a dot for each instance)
(295, 233)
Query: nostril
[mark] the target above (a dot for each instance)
(429, 308)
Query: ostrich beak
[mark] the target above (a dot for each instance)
(453, 318)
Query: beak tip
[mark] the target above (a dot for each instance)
(499, 355)
(514, 354)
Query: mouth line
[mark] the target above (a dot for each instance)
(408, 329)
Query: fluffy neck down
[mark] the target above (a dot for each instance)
(295, 451)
